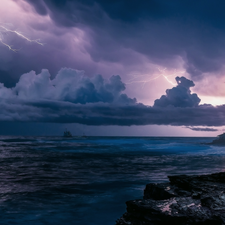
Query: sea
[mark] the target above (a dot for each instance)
(87, 180)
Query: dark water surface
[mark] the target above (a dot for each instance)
(52, 180)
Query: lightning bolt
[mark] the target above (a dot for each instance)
(7, 30)
(163, 71)
(10, 47)
(142, 78)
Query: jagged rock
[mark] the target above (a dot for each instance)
(185, 200)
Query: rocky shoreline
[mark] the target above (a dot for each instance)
(185, 200)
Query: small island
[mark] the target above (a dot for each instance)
(185, 200)
(220, 140)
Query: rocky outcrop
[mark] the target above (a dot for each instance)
(185, 200)
(220, 140)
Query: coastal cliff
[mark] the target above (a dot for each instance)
(185, 200)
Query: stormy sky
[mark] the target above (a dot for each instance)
(118, 67)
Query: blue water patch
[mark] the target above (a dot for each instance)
(55, 180)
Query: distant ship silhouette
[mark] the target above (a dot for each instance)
(67, 133)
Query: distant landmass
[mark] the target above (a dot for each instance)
(220, 140)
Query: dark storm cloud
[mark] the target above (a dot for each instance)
(39, 6)
(114, 31)
(110, 114)
(72, 97)
(132, 10)
(161, 30)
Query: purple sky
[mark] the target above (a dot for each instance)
(112, 67)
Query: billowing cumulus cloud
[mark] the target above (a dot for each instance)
(72, 97)
(68, 86)
(179, 96)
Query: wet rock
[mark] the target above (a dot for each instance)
(185, 200)
(163, 191)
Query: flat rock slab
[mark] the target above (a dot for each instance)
(185, 200)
